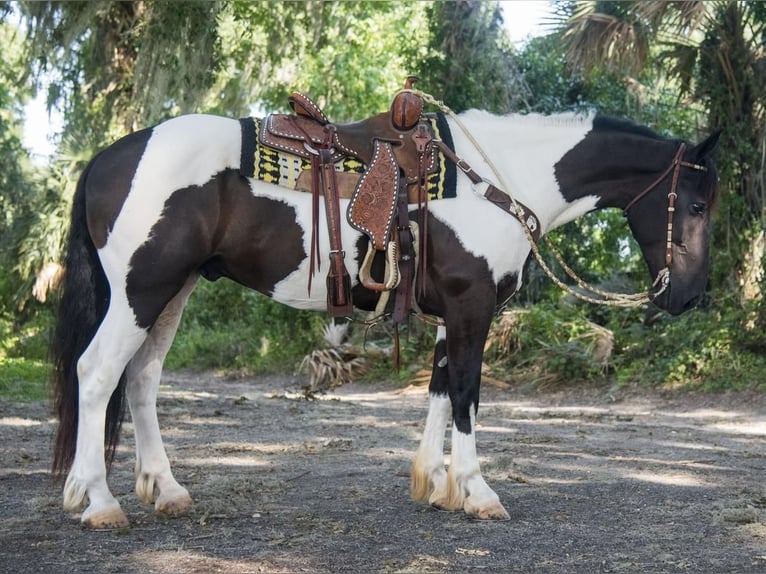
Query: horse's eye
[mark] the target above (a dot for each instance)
(697, 208)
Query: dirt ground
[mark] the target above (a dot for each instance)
(595, 480)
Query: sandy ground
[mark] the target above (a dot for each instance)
(595, 480)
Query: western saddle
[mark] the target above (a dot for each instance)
(395, 149)
(398, 150)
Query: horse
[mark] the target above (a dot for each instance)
(162, 207)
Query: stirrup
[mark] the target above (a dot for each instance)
(391, 277)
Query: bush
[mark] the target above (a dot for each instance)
(707, 349)
(713, 348)
(549, 343)
(227, 326)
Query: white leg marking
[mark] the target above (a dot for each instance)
(99, 370)
(428, 474)
(466, 485)
(144, 372)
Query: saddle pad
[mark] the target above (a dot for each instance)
(294, 172)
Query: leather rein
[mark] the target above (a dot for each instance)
(663, 276)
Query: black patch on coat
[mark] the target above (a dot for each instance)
(109, 181)
(218, 229)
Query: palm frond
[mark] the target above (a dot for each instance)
(337, 364)
(594, 39)
(330, 368)
(682, 18)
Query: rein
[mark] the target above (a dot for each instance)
(604, 297)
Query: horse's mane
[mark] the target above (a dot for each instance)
(608, 123)
(599, 122)
(558, 119)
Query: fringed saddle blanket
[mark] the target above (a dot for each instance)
(294, 172)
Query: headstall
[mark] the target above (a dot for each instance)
(663, 276)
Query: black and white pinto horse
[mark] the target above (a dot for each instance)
(161, 207)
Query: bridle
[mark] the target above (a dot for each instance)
(663, 276)
(589, 293)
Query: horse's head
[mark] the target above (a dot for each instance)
(673, 231)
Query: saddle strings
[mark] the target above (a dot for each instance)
(605, 297)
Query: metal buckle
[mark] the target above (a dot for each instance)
(484, 183)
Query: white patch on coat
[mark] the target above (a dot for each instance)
(524, 149)
(293, 290)
(464, 467)
(431, 451)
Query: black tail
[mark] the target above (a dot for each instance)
(82, 307)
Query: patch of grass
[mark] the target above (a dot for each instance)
(23, 379)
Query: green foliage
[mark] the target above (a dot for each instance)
(117, 66)
(350, 57)
(23, 352)
(23, 379)
(706, 349)
(416, 340)
(18, 185)
(227, 326)
(559, 342)
(471, 63)
(28, 338)
(548, 343)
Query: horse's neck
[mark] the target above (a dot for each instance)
(524, 151)
(560, 166)
(612, 165)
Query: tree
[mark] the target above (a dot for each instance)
(471, 63)
(119, 66)
(349, 56)
(16, 176)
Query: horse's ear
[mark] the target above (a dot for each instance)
(708, 147)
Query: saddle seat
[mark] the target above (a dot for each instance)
(302, 136)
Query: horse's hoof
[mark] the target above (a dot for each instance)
(109, 519)
(176, 506)
(490, 511)
(442, 503)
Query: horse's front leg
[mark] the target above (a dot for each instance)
(466, 487)
(428, 475)
(144, 372)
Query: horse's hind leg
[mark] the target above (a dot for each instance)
(99, 370)
(144, 372)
